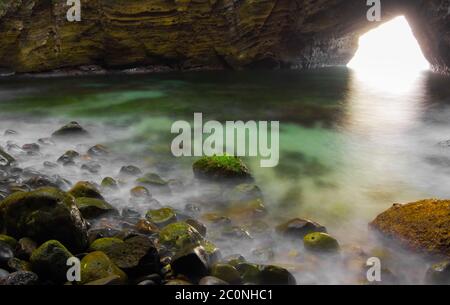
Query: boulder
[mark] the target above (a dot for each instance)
(421, 226)
(43, 214)
(192, 263)
(97, 265)
(50, 261)
(226, 272)
(320, 242)
(71, 130)
(221, 168)
(93, 207)
(85, 189)
(299, 228)
(161, 217)
(179, 235)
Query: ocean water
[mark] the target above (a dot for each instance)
(351, 145)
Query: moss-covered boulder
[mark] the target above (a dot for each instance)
(73, 129)
(85, 189)
(109, 183)
(179, 235)
(11, 241)
(6, 159)
(43, 214)
(274, 275)
(137, 256)
(161, 217)
(226, 272)
(49, 261)
(154, 182)
(220, 168)
(421, 226)
(299, 228)
(140, 192)
(250, 273)
(93, 207)
(320, 242)
(104, 244)
(97, 265)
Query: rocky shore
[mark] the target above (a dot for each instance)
(47, 221)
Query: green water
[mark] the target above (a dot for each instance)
(350, 146)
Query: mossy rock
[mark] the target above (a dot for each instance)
(73, 129)
(299, 228)
(43, 214)
(211, 250)
(320, 242)
(97, 265)
(49, 261)
(420, 226)
(250, 273)
(109, 183)
(152, 179)
(140, 192)
(11, 241)
(220, 168)
(85, 189)
(98, 150)
(274, 275)
(161, 217)
(6, 159)
(226, 272)
(179, 235)
(92, 207)
(104, 244)
(137, 256)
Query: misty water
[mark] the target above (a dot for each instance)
(351, 145)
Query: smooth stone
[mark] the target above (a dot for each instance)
(50, 261)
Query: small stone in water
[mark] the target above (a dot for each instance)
(130, 170)
(33, 147)
(10, 132)
(49, 164)
(98, 151)
(92, 167)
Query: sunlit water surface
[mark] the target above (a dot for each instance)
(351, 144)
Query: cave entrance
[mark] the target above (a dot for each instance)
(391, 47)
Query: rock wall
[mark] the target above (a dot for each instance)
(205, 34)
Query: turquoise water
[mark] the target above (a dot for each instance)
(350, 144)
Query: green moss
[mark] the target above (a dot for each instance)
(103, 244)
(50, 261)
(85, 189)
(161, 217)
(109, 182)
(152, 179)
(97, 265)
(226, 273)
(320, 242)
(92, 207)
(179, 235)
(219, 167)
(8, 240)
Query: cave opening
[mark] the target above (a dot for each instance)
(391, 47)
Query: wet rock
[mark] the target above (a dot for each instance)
(161, 217)
(179, 235)
(15, 264)
(243, 192)
(85, 189)
(97, 265)
(98, 151)
(97, 233)
(11, 241)
(109, 183)
(320, 242)
(104, 244)
(421, 226)
(226, 272)
(299, 228)
(140, 192)
(438, 274)
(221, 167)
(6, 253)
(25, 247)
(68, 158)
(274, 275)
(154, 182)
(22, 278)
(50, 261)
(43, 181)
(130, 170)
(93, 207)
(146, 227)
(71, 130)
(46, 213)
(6, 159)
(250, 273)
(212, 281)
(136, 256)
(92, 167)
(192, 263)
(201, 228)
(32, 147)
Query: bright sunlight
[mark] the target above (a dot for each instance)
(391, 46)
